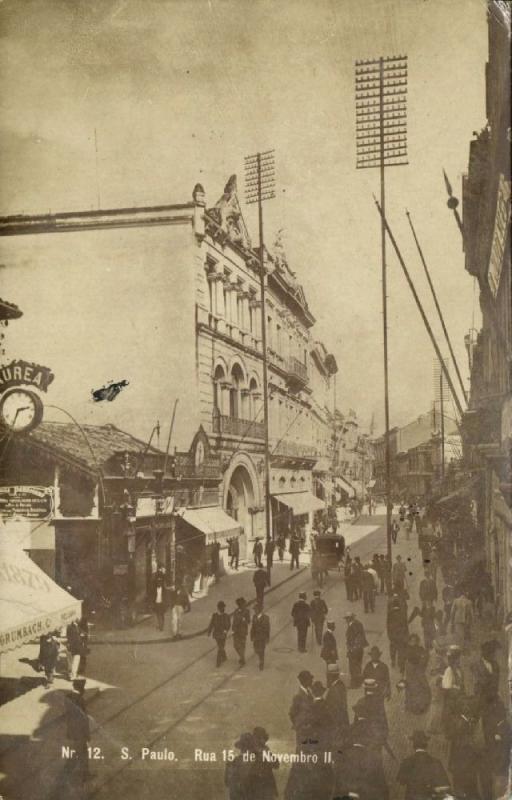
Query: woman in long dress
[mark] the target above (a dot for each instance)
(417, 690)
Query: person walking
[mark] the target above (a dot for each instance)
(269, 551)
(218, 629)
(358, 770)
(159, 596)
(257, 552)
(329, 651)
(399, 573)
(428, 589)
(235, 552)
(395, 529)
(418, 695)
(260, 633)
(453, 686)
(356, 644)
(376, 670)
(301, 615)
(294, 551)
(461, 619)
(420, 773)
(427, 613)
(74, 649)
(301, 704)
(368, 587)
(78, 729)
(347, 571)
(260, 580)
(318, 613)
(281, 545)
(357, 570)
(398, 632)
(240, 626)
(49, 656)
(262, 783)
(179, 603)
(336, 701)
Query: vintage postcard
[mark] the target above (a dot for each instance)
(255, 400)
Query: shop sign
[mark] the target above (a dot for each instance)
(23, 372)
(31, 502)
(499, 238)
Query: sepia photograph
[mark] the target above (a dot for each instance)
(255, 400)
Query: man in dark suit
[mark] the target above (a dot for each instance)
(218, 628)
(329, 651)
(235, 552)
(421, 773)
(301, 705)
(294, 550)
(257, 552)
(336, 700)
(301, 614)
(358, 771)
(260, 580)
(240, 625)
(356, 643)
(318, 613)
(379, 672)
(260, 633)
(159, 596)
(428, 588)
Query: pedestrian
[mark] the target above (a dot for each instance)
(395, 529)
(368, 587)
(299, 710)
(486, 676)
(218, 629)
(448, 596)
(257, 552)
(428, 588)
(471, 773)
(369, 712)
(398, 574)
(398, 632)
(418, 695)
(382, 572)
(237, 773)
(421, 773)
(427, 613)
(49, 656)
(78, 729)
(260, 580)
(159, 596)
(347, 571)
(329, 651)
(240, 626)
(336, 700)
(294, 551)
(356, 644)
(74, 649)
(235, 552)
(260, 633)
(358, 770)
(215, 561)
(462, 619)
(301, 615)
(453, 687)
(387, 569)
(379, 672)
(318, 613)
(281, 544)
(262, 783)
(179, 603)
(269, 552)
(357, 570)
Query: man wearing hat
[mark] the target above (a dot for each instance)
(356, 643)
(329, 651)
(77, 726)
(486, 674)
(318, 612)
(260, 580)
(358, 770)
(301, 614)
(378, 671)
(240, 625)
(218, 628)
(301, 704)
(260, 633)
(421, 773)
(336, 700)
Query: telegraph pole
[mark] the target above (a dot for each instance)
(381, 141)
(260, 186)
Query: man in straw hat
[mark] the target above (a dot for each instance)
(378, 671)
(421, 773)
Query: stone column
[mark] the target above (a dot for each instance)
(220, 310)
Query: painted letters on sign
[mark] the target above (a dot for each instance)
(22, 372)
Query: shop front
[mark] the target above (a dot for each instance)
(202, 536)
(292, 512)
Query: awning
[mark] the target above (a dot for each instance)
(31, 604)
(212, 521)
(462, 491)
(345, 486)
(300, 502)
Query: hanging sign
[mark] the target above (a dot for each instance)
(24, 373)
(499, 238)
(30, 502)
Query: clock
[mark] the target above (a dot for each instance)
(20, 410)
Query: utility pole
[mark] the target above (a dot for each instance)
(441, 403)
(381, 141)
(260, 186)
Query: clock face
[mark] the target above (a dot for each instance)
(20, 410)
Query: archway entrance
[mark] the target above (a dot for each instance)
(239, 499)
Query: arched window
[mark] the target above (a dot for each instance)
(235, 393)
(219, 378)
(253, 399)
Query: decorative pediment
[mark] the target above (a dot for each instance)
(228, 214)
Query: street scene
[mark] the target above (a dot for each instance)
(255, 400)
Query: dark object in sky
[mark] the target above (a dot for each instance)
(108, 392)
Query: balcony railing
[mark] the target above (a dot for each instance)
(297, 371)
(233, 426)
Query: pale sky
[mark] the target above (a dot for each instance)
(179, 91)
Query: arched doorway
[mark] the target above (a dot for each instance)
(239, 499)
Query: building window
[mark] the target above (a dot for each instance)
(235, 392)
(218, 379)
